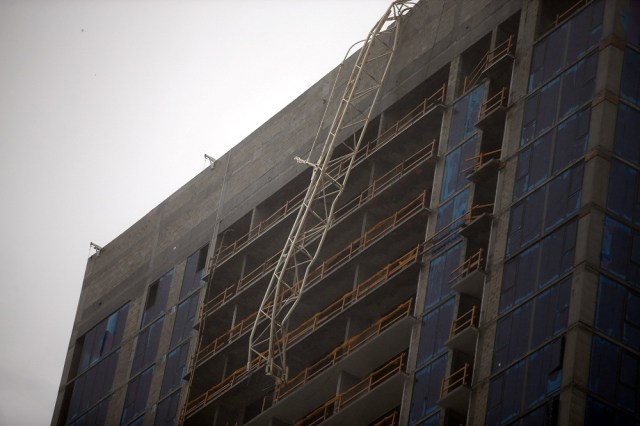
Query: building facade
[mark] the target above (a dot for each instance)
(483, 266)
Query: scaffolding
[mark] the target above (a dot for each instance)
(317, 210)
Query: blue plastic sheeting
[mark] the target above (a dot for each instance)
(571, 140)
(597, 414)
(533, 165)
(618, 312)
(185, 317)
(568, 43)
(559, 98)
(538, 266)
(426, 389)
(545, 208)
(451, 211)
(624, 191)
(627, 130)
(193, 271)
(531, 324)
(630, 80)
(157, 296)
(174, 369)
(614, 375)
(456, 166)
(464, 116)
(92, 386)
(167, 411)
(96, 416)
(438, 284)
(435, 329)
(103, 338)
(147, 347)
(621, 251)
(135, 401)
(539, 375)
(631, 22)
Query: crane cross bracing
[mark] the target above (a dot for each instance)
(329, 176)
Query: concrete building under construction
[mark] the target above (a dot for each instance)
(460, 245)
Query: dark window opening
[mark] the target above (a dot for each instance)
(157, 298)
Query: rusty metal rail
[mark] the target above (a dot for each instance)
(344, 350)
(340, 401)
(357, 246)
(373, 234)
(473, 263)
(391, 419)
(321, 317)
(564, 15)
(493, 104)
(481, 159)
(494, 55)
(388, 179)
(244, 372)
(464, 321)
(425, 107)
(456, 379)
(477, 211)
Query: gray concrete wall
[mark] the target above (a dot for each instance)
(435, 33)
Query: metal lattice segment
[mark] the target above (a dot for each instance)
(316, 213)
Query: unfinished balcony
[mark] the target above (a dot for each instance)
(495, 64)
(456, 389)
(384, 229)
(493, 110)
(365, 401)
(354, 358)
(484, 166)
(390, 419)
(468, 277)
(392, 275)
(464, 332)
(499, 60)
(432, 103)
(477, 224)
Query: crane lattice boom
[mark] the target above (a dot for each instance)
(328, 179)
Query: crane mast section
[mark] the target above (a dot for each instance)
(267, 344)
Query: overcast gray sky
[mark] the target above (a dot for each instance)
(106, 108)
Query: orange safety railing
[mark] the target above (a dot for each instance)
(224, 252)
(344, 350)
(353, 296)
(481, 159)
(473, 263)
(229, 336)
(503, 49)
(245, 371)
(494, 103)
(335, 171)
(358, 245)
(328, 313)
(464, 321)
(564, 15)
(457, 378)
(230, 381)
(491, 57)
(476, 211)
(391, 419)
(386, 180)
(436, 99)
(337, 403)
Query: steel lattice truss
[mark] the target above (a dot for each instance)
(329, 177)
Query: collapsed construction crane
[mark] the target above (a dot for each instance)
(329, 176)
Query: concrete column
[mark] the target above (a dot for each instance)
(503, 201)
(590, 226)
